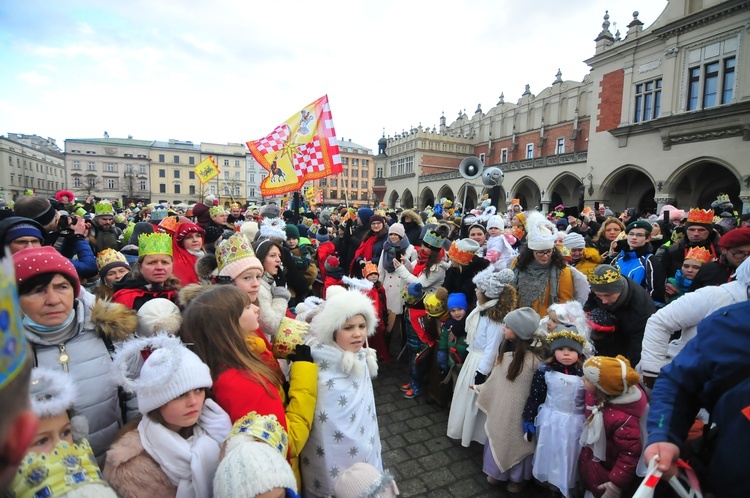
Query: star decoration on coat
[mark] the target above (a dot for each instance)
(373, 417)
(355, 385)
(335, 471)
(372, 440)
(323, 365)
(361, 430)
(330, 383)
(343, 401)
(352, 417)
(369, 409)
(319, 346)
(338, 436)
(353, 451)
(323, 417)
(305, 461)
(320, 451)
(317, 483)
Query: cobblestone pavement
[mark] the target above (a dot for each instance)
(422, 459)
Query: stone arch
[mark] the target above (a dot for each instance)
(564, 189)
(630, 186)
(426, 198)
(698, 182)
(446, 192)
(393, 199)
(471, 197)
(527, 190)
(407, 200)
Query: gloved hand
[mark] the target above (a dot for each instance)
(479, 378)
(529, 430)
(301, 353)
(442, 359)
(610, 490)
(280, 278)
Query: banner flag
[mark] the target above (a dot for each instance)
(302, 148)
(206, 169)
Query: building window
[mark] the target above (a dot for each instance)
(236, 163)
(364, 183)
(355, 161)
(128, 168)
(142, 169)
(191, 189)
(142, 185)
(226, 162)
(162, 188)
(711, 74)
(345, 161)
(237, 190)
(355, 173)
(647, 100)
(560, 148)
(334, 194)
(110, 183)
(503, 155)
(191, 175)
(76, 181)
(226, 190)
(92, 182)
(728, 81)
(110, 167)
(251, 192)
(162, 173)
(176, 173)
(353, 196)
(365, 162)
(379, 172)
(177, 159)
(128, 155)
(251, 177)
(481, 157)
(177, 188)
(354, 183)
(161, 158)
(365, 173)
(92, 166)
(236, 175)
(226, 175)
(212, 189)
(76, 164)
(334, 182)
(191, 160)
(529, 151)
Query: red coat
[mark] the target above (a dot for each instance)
(624, 447)
(238, 395)
(324, 250)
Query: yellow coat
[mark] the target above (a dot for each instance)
(591, 258)
(300, 409)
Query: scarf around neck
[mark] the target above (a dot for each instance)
(389, 251)
(189, 463)
(532, 282)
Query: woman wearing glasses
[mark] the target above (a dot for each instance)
(542, 277)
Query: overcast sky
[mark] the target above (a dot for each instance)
(231, 70)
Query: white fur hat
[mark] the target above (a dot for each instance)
(170, 370)
(158, 315)
(339, 307)
(273, 228)
(540, 232)
(492, 282)
(363, 480)
(52, 392)
(496, 221)
(250, 468)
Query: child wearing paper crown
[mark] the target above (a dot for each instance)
(496, 297)
(508, 453)
(59, 461)
(174, 449)
(452, 349)
(377, 294)
(554, 410)
(611, 437)
(683, 278)
(345, 427)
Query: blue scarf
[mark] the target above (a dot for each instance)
(389, 253)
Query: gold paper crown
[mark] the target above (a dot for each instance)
(696, 215)
(369, 269)
(700, 254)
(67, 467)
(154, 243)
(235, 205)
(265, 428)
(109, 256)
(233, 249)
(568, 334)
(435, 306)
(103, 208)
(609, 277)
(216, 210)
(722, 198)
(459, 256)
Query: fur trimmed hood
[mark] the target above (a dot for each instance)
(113, 320)
(206, 266)
(411, 216)
(190, 292)
(340, 306)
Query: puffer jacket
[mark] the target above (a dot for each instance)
(90, 367)
(132, 472)
(683, 314)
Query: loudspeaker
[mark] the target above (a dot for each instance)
(471, 168)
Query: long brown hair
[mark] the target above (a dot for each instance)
(211, 320)
(519, 348)
(608, 221)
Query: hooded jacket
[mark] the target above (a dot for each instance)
(412, 225)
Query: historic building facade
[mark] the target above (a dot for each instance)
(173, 177)
(231, 183)
(354, 184)
(30, 162)
(663, 116)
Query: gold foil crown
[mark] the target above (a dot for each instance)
(610, 276)
(700, 254)
(265, 428)
(109, 256)
(568, 334)
(66, 468)
(154, 243)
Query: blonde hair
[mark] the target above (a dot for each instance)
(608, 221)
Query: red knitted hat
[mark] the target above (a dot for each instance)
(34, 261)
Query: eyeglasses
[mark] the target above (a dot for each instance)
(543, 253)
(739, 254)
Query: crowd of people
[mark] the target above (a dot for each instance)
(230, 351)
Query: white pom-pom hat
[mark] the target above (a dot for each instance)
(52, 392)
(540, 232)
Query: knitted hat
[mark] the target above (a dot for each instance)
(523, 322)
(574, 240)
(369, 269)
(169, 371)
(25, 228)
(566, 336)
(270, 210)
(435, 303)
(324, 217)
(235, 255)
(339, 308)
(52, 392)
(332, 263)
(463, 251)
(138, 229)
(273, 228)
(541, 233)
(496, 221)
(376, 218)
(606, 278)
(292, 232)
(612, 376)
(735, 238)
(250, 229)
(492, 282)
(458, 300)
(186, 228)
(287, 215)
(398, 229)
(561, 224)
(601, 321)
(365, 214)
(362, 480)
(213, 233)
(33, 261)
(322, 235)
(109, 259)
(251, 468)
(158, 316)
(639, 224)
(412, 294)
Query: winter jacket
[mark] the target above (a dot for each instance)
(713, 273)
(632, 309)
(459, 279)
(132, 292)
(645, 270)
(79, 252)
(132, 472)
(683, 314)
(590, 260)
(90, 367)
(429, 282)
(699, 377)
(674, 255)
(392, 283)
(412, 225)
(202, 215)
(273, 302)
(324, 250)
(622, 428)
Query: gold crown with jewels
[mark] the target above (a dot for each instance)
(608, 277)
(109, 256)
(265, 428)
(567, 334)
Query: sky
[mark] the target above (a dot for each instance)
(231, 70)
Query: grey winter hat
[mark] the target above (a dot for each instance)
(574, 241)
(270, 210)
(492, 282)
(566, 336)
(523, 322)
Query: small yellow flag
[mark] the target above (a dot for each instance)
(206, 169)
